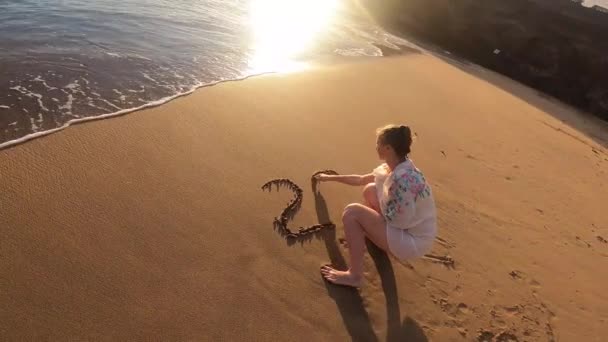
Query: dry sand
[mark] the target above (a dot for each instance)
(152, 226)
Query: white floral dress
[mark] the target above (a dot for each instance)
(407, 204)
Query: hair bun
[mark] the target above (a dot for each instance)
(399, 137)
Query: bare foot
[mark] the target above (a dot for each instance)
(340, 277)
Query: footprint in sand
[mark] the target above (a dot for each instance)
(512, 310)
(601, 239)
(457, 315)
(519, 275)
(485, 336)
(459, 310)
(457, 289)
(582, 243)
(506, 337)
(497, 320)
(463, 308)
(472, 157)
(515, 274)
(534, 283)
(529, 320)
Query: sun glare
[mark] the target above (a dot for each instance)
(282, 29)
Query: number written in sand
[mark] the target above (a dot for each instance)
(293, 206)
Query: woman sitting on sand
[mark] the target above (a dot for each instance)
(399, 214)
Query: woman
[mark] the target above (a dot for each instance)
(399, 214)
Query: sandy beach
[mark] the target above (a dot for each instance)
(153, 226)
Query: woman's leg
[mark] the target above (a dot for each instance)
(370, 196)
(360, 222)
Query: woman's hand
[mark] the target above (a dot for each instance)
(323, 177)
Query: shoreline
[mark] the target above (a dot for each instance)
(404, 50)
(321, 62)
(152, 104)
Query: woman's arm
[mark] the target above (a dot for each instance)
(347, 179)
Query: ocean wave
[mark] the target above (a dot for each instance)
(78, 61)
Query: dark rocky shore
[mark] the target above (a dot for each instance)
(556, 46)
